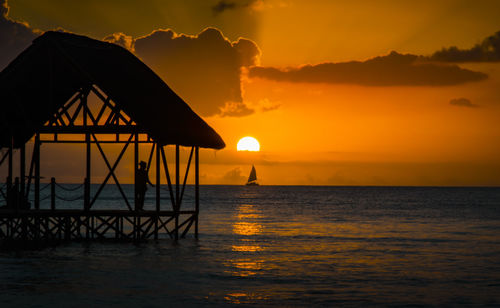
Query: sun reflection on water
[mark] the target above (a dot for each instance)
(246, 225)
(246, 220)
(247, 228)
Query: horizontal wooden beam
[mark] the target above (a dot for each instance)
(92, 129)
(83, 141)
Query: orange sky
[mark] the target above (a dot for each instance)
(325, 133)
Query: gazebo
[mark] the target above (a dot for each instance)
(44, 99)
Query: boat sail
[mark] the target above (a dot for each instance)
(252, 179)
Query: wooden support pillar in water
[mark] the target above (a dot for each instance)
(16, 197)
(22, 174)
(158, 183)
(86, 202)
(196, 188)
(136, 163)
(87, 173)
(9, 177)
(52, 193)
(37, 171)
(177, 201)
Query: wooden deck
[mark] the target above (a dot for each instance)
(67, 224)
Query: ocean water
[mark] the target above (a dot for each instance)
(283, 246)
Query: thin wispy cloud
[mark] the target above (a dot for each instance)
(463, 102)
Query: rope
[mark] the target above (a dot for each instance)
(45, 187)
(69, 200)
(69, 189)
(41, 199)
(44, 198)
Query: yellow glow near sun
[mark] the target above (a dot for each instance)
(248, 144)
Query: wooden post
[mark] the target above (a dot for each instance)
(22, 173)
(158, 177)
(117, 226)
(67, 228)
(52, 193)
(196, 188)
(86, 199)
(16, 194)
(136, 163)
(87, 226)
(138, 227)
(86, 194)
(10, 197)
(158, 183)
(37, 171)
(177, 201)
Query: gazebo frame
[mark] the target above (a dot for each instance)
(76, 121)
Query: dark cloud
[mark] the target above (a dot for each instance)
(463, 102)
(14, 36)
(486, 51)
(203, 69)
(391, 70)
(224, 5)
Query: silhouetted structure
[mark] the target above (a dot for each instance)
(43, 95)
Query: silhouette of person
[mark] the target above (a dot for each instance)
(141, 181)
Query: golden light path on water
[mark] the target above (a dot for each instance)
(246, 225)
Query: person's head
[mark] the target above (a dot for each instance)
(142, 164)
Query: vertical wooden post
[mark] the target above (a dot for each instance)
(10, 199)
(88, 169)
(158, 173)
(16, 194)
(177, 201)
(139, 227)
(117, 226)
(87, 172)
(52, 193)
(67, 228)
(158, 183)
(87, 226)
(136, 163)
(22, 173)
(86, 194)
(196, 188)
(136, 202)
(37, 171)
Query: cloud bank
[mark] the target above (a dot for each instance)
(486, 51)
(203, 69)
(394, 69)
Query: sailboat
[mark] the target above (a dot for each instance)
(252, 179)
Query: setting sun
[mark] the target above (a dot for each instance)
(248, 144)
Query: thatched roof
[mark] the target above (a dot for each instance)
(49, 72)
